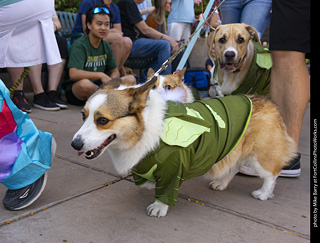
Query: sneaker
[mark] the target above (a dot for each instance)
(55, 97)
(42, 101)
(20, 101)
(24, 197)
(292, 170)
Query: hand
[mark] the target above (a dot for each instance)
(151, 9)
(174, 46)
(104, 78)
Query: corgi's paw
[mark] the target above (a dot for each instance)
(218, 185)
(157, 209)
(150, 185)
(260, 194)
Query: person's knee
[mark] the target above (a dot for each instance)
(127, 43)
(84, 88)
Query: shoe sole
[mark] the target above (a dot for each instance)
(46, 108)
(284, 173)
(37, 196)
(62, 106)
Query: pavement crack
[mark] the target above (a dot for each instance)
(56, 203)
(245, 216)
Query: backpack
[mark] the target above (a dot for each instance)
(198, 78)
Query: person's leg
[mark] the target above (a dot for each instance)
(290, 88)
(160, 50)
(175, 30)
(35, 79)
(18, 96)
(25, 155)
(121, 47)
(231, 11)
(55, 72)
(257, 14)
(82, 89)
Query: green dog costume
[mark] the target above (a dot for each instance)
(195, 136)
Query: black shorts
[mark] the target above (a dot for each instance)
(72, 99)
(290, 25)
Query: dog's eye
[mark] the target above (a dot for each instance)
(167, 87)
(222, 40)
(83, 115)
(102, 121)
(240, 40)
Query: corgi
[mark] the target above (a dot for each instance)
(143, 134)
(171, 87)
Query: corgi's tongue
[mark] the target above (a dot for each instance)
(79, 153)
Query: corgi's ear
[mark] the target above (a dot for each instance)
(181, 73)
(150, 73)
(112, 84)
(140, 95)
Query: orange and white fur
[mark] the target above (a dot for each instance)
(128, 122)
(171, 87)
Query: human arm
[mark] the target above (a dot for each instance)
(154, 34)
(78, 74)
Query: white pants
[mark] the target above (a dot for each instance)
(179, 31)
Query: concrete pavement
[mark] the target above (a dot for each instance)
(87, 201)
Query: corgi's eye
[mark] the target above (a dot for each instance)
(83, 115)
(102, 121)
(167, 87)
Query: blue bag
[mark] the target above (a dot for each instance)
(198, 78)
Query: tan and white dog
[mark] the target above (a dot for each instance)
(235, 52)
(128, 122)
(171, 87)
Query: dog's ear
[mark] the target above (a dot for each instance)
(253, 33)
(181, 73)
(112, 84)
(210, 41)
(150, 73)
(140, 95)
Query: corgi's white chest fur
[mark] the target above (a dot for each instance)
(153, 116)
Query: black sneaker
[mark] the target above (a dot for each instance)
(56, 98)
(20, 101)
(293, 169)
(24, 197)
(43, 102)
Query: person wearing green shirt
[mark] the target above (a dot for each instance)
(91, 61)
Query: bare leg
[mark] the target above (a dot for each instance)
(15, 73)
(55, 73)
(290, 88)
(82, 89)
(35, 79)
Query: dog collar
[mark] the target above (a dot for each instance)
(238, 69)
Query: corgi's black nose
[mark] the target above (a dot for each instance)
(77, 143)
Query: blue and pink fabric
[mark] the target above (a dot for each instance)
(25, 151)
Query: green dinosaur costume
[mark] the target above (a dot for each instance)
(195, 136)
(258, 78)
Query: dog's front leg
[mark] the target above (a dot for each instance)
(157, 209)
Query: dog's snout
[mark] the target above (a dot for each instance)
(230, 54)
(77, 143)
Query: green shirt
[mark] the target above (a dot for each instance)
(195, 136)
(83, 56)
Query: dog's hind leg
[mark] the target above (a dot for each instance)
(269, 182)
(221, 184)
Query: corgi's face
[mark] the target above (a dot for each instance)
(111, 117)
(170, 86)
